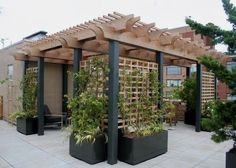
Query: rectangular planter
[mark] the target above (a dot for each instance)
(27, 126)
(136, 150)
(230, 159)
(91, 153)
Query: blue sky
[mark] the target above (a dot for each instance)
(20, 18)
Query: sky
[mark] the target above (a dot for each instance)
(20, 18)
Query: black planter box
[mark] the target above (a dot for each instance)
(91, 153)
(190, 117)
(27, 126)
(136, 150)
(231, 159)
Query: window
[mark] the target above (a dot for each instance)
(10, 72)
(173, 70)
(231, 65)
(230, 97)
(173, 83)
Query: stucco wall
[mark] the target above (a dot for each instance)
(53, 87)
(10, 90)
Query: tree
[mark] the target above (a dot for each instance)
(218, 35)
(223, 114)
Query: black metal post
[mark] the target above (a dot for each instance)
(188, 72)
(64, 87)
(198, 98)
(25, 67)
(40, 96)
(215, 87)
(113, 102)
(160, 61)
(76, 66)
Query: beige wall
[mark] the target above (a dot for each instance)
(53, 87)
(10, 90)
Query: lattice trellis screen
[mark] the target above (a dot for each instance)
(135, 88)
(34, 71)
(208, 88)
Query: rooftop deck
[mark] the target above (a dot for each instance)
(187, 149)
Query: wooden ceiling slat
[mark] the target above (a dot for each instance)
(128, 30)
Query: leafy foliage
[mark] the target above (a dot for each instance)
(218, 35)
(28, 100)
(148, 119)
(222, 114)
(89, 104)
(221, 72)
(222, 121)
(3, 81)
(187, 92)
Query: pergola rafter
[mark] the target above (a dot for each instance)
(127, 29)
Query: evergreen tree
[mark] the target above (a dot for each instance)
(223, 113)
(218, 35)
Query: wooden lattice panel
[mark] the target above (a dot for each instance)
(135, 89)
(208, 87)
(34, 71)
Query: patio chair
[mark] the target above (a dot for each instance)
(53, 119)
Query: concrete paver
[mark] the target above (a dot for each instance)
(186, 149)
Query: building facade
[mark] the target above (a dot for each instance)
(12, 72)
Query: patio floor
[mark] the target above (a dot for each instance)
(187, 149)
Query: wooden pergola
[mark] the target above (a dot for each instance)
(116, 35)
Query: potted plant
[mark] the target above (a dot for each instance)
(187, 93)
(222, 118)
(88, 107)
(26, 120)
(144, 137)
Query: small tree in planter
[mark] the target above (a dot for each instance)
(26, 120)
(144, 137)
(222, 116)
(88, 106)
(187, 93)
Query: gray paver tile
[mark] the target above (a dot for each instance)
(186, 149)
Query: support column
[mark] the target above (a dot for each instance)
(40, 96)
(113, 102)
(76, 66)
(25, 66)
(198, 98)
(160, 61)
(64, 87)
(188, 72)
(215, 87)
